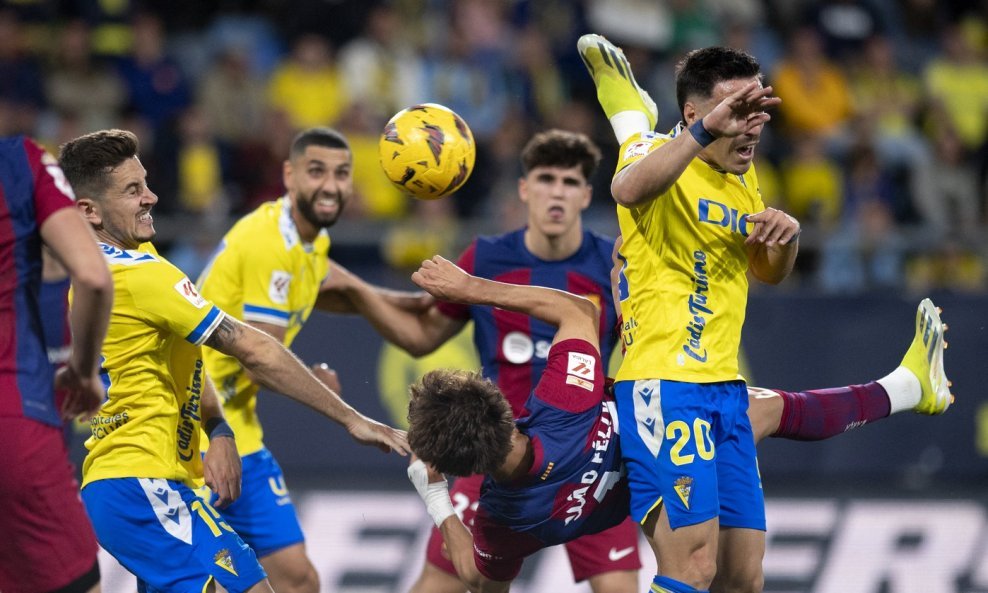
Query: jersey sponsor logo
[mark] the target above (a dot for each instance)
(684, 489)
(615, 554)
(713, 212)
(699, 311)
(517, 348)
(637, 149)
(100, 426)
(187, 289)
(571, 380)
(580, 365)
(189, 417)
(278, 287)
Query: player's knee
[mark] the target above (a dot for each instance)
(704, 564)
(303, 580)
(748, 581)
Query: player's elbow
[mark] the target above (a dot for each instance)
(622, 190)
(94, 279)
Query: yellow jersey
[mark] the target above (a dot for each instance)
(262, 271)
(152, 368)
(684, 285)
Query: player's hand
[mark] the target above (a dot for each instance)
(371, 432)
(741, 111)
(327, 376)
(221, 466)
(422, 475)
(772, 227)
(442, 279)
(83, 394)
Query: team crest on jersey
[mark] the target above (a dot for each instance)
(684, 488)
(278, 288)
(187, 289)
(225, 561)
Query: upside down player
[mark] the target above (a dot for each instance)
(556, 473)
(554, 250)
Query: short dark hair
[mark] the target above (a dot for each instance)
(326, 137)
(559, 148)
(89, 160)
(459, 422)
(701, 69)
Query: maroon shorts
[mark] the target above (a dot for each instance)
(47, 541)
(610, 550)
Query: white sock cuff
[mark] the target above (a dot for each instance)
(628, 123)
(903, 389)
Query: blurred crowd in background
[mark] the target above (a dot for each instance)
(880, 147)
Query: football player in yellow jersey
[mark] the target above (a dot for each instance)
(267, 272)
(144, 455)
(693, 224)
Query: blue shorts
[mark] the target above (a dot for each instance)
(690, 447)
(264, 514)
(168, 537)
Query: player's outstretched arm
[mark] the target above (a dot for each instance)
(407, 319)
(575, 316)
(279, 370)
(221, 464)
(434, 491)
(74, 245)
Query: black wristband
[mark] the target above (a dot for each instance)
(700, 133)
(218, 427)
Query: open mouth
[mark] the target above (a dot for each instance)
(145, 218)
(327, 204)
(746, 152)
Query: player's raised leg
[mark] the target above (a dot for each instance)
(924, 360)
(919, 383)
(627, 106)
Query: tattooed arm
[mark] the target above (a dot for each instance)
(281, 371)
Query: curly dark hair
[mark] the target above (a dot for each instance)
(459, 422)
(89, 160)
(559, 148)
(701, 69)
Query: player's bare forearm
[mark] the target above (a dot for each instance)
(643, 181)
(773, 264)
(276, 368)
(772, 245)
(209, 404)
(575, 316)
(407, 319)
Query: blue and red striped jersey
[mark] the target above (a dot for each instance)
(576, 484)
(513, 347)
(32, 188)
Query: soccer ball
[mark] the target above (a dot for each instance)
(427, 151)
